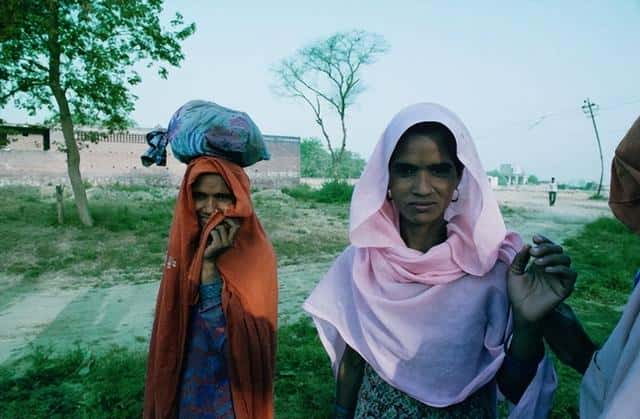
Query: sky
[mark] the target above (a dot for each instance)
(516, 72)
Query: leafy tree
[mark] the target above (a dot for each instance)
(533, 180)
(351, 165)
(328, 72)
(314, 158)
(76, 58)
(316, 161)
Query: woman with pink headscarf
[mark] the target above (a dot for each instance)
(431, 308)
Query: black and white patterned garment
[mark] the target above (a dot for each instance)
(377, 399)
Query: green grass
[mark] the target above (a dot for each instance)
(39, 246)
(596, 197)
(130, 232)
(302, 231)
(79, 384)
(304, 383)
(74, 385)
(129, 239)
(330, 192)
(605, 255)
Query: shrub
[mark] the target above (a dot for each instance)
(330, 192)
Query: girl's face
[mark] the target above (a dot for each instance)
(210, 194)
(422, 180)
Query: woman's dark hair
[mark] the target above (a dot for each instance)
(441, 134)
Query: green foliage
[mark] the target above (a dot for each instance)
(76, 384)
(316, 161)
(330, 192)
(88, 49)
(502, 180)
(351, 165)
(533, 180)
(507, 211)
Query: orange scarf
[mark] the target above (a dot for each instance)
(249, 301)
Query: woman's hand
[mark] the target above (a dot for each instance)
(536, 290)
(222, 238)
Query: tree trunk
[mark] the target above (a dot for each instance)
(73, 162)
(73, 155)
(336, 160)
(60, 203)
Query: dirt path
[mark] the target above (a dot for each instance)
(122, 314)
(529, 212)
(118, 315)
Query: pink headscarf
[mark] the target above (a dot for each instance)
(431, 324)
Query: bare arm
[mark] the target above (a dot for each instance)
(521, 361)
(350, 374)
(567, 339)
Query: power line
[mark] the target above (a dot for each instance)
(531, 124)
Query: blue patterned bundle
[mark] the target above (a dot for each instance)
(201, 128)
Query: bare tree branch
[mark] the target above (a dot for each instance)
(329, 70)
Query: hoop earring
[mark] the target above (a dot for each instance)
(457, 198)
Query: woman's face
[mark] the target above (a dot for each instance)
(422, 179)
(210, 194)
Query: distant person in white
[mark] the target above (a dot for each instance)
(553, 191)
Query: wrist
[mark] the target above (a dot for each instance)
(524, 326)
(527, 341)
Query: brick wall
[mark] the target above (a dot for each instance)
(117, 158)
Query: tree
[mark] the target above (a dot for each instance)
(502, 179)
(533, 180)
(316, 161)
(329, 72)
(351, 165)
(314, 158)
(75, 59)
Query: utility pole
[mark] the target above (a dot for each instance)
(588, 108)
